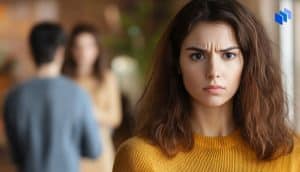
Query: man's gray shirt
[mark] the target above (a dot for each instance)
(50, 125)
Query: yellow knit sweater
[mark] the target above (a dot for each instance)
(210, 154)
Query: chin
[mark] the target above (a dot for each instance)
(213, 102)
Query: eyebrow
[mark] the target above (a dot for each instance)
(223, 50)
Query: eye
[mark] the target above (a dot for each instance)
(229, 55)
(197, 56)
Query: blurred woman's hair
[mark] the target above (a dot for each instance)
(70, 67)
(259, 106)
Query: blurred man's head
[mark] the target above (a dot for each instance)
(47, 41)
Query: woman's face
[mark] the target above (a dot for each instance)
(211, 63)
(85, 50)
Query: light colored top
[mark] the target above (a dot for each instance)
(107, 106)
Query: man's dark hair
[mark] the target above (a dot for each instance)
(45, 38)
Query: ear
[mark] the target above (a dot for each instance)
(59, 54)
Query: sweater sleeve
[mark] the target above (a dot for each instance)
(130, 158)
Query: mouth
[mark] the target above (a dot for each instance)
(214, 89)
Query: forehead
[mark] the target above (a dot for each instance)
(205, 34)
(85, 37)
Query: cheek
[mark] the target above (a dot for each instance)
(193, 78)
(192, 84)
(194, 81)
(86, 55)
(89, 52)
(233, 77)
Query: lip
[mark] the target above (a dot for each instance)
(214, 89)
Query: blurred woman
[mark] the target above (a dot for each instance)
(85, 65)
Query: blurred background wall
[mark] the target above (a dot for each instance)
(130, 30)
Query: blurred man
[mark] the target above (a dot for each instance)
(49, 121)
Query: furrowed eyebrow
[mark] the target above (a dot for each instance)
(230, 48)
(201, 50)
(195, 49)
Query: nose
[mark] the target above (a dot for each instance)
(213, 68)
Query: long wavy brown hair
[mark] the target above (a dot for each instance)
(259, 106)
(70, 67)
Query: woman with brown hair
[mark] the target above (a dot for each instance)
(215, 100)
(86, 66)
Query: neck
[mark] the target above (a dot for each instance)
(84, 71)
(212, 121)
(48, 71)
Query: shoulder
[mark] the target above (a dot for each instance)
(75, 88)
(294, 155)
(296, 149)
(109, 83)
(137, 145)
(136, 154)
(16, 91)
(110, 77)
(14, 98)
(69, 83)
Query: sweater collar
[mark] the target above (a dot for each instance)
(233, 139)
